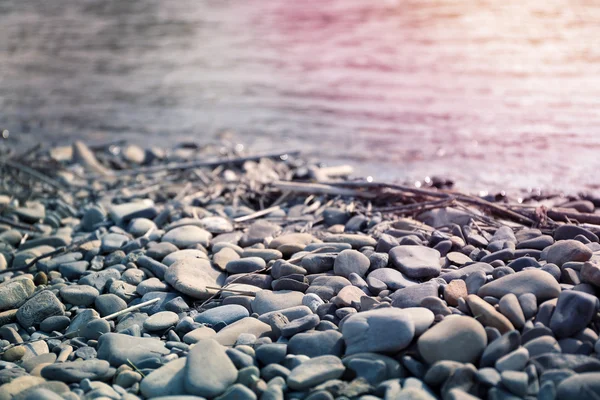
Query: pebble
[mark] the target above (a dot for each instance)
(455, 338)
(351, 261)
(161, 321)
(191, 276)
(229, 335)
(187, 236)
(455, 290)
(315, 343)
(369, 331)
(117, 348)
(38, 308)
(74, 372)
(537, 282)
(208, 371)
(574, 311)
(314, 372)
(107, 304)
(167, 380)
(14, 293)
(513, 361)
(55, 323)
(509, 306)
(245, 265)
(567, 250)
(227, 314)
(487, 315)
(416, 261)
(267, 301)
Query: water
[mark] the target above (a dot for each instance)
(497, 95)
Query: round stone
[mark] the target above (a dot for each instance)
(455, 338)
(161, 321)
(195, 277)
(369, 331)
(245, 265)
(267, 301)
(107, 304)
(187, 236)
(540, 283)
(567, 250)
(416, 261)
(227, 314)
(349, 261)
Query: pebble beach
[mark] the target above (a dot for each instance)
(203, 272)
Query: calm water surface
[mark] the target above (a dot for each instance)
(495, 94)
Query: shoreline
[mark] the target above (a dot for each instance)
(134, 273)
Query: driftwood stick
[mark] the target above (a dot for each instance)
(32, 172)
(129, 309)
(562, 214)
(19, 225)
(502, 211)
(53, 253)
(194, 164)
(417, 206)
(243, 292)
(257, 214)
(320, 188)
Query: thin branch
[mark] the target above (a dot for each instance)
(129, 309)
(194, 164)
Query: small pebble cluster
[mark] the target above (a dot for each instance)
(196, 289)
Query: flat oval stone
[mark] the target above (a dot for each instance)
(161, 321)
(567, 250)
(119, 349)
(245, 265)
(455, 338)
(392, 278)
(267, 300)
(540, 283)
(187, 236)
(74, 372)
(55, 323)
(314, 372)
(349, 261)
(355, 240)
(216, 225)
(416, 261)
(487, 315)
(369, 331)
(229, 335)
(107, 304)
(191, 276)
(228, 314)
(466, 271)
(182, 254)
(565, 232)
(317, 343)
(292, 238)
